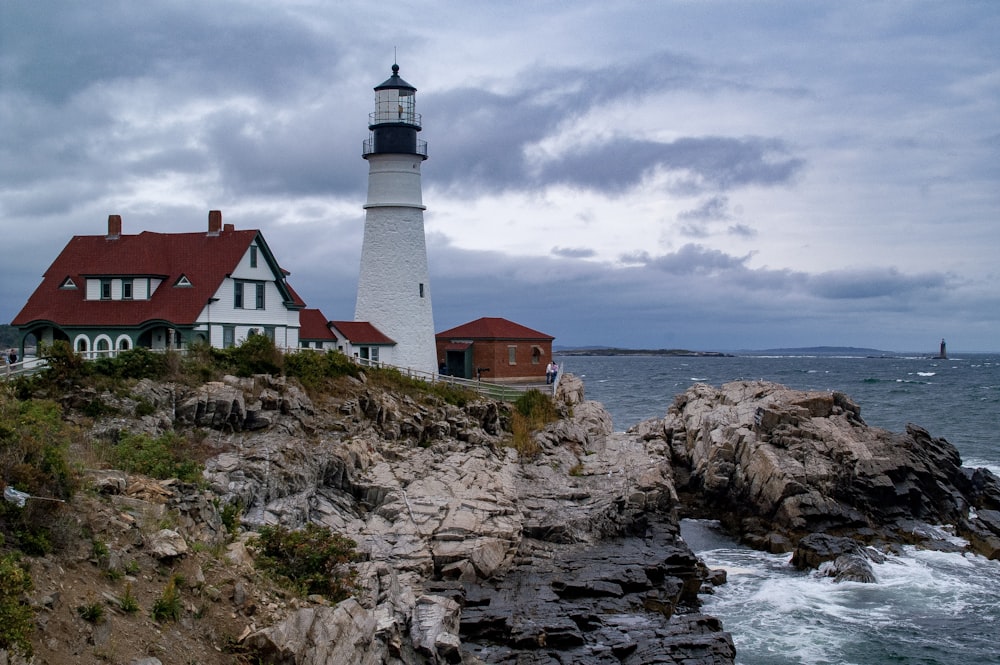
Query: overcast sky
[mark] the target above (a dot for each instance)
(675, 174)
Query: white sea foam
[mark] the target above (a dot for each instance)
(976, 463)
(780, 615)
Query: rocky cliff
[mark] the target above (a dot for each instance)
(473, 554)
(791, 470)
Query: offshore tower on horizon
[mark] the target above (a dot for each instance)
(394, 291)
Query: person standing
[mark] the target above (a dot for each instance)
(551, 370)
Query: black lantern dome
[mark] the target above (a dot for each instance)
(394, 124)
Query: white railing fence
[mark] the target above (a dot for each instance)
(502, 391)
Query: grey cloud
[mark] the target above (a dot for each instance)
(742, 230)
(487, 133)
(714, 208)
(695, 230)
(703, 164)
(873, 283)
(72, 46)
(696, 259)
(573, 252)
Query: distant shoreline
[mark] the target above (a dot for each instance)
(642, 352)
(687, 353)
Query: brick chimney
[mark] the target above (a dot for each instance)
(114, 227)
(214, 222)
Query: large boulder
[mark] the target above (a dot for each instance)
(776, 464)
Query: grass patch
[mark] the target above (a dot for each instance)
(533, 410)
(129, 604)
(168, 606)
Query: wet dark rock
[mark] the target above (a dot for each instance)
(626, 600)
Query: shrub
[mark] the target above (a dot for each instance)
(256, 355)
(313, 369)
(137, 363)
(64, 365)
(230, 515)
(17, 619)
(201, 363)
(144, 408)
(34, 442)
(165, 456)
(313, 559)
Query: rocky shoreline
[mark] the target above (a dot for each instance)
(473, 555)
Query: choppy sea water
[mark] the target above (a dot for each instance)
(927, 608)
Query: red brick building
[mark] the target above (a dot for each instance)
(497, 349)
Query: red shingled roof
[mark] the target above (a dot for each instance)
(313, 325)
(361, 332)
(203, 259)
(493, 328)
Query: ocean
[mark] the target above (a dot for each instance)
(927, 608)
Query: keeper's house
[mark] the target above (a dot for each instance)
(494, 349)
(107, 293)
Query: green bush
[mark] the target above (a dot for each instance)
(34, 443)
(64, 365)
(137, 363)
(313, 559)
(165, 456)
(17, 619)
(230, 515)
(314, 368)
(144, 408)
(256, 355)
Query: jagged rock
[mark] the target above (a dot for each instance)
(166, 544)
(107, 481)
(818, 548)
(340, 635)
(434, 628)
(570, 390)
(776, 464)
(849, 568)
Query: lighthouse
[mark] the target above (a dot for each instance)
(394, 291)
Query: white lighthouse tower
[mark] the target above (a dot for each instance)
(394, 291)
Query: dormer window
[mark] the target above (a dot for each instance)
(126, 289)
(68, 283)
(105, 289)
(183, 281)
